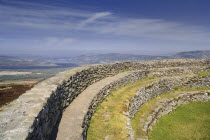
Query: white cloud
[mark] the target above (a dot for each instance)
(40, 16)
(58, 20)
(152, 28)
(46, 17)
(93, 18)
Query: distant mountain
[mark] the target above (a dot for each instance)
(13, 62)
(116, 57)
(193, 55)
(112, 57)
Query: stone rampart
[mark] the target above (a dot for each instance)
(35, 114)
(153, 90)
(106, 91)
(171, 104)
(202, 81)
(166, 106)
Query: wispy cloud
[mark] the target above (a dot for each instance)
(152, 28)
(58, 20)
(93, 18)
(40, 16)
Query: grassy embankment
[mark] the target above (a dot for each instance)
(109, 120)
(145, 110)
(109, 113)
(187, 122)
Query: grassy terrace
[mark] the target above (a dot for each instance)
(145, 110)
(109, 120)
(204, 73)
(187, 122)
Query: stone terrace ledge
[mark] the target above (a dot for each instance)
(18, 116)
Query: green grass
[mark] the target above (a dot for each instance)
(187, 122)
(142, 115)
(204, 73)
(108, 119)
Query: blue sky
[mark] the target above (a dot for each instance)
(69, 27)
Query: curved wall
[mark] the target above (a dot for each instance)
(166, 105)
(170, 105)
(35, 114)
(105, 92)
(153, 90)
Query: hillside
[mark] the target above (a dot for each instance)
(193, 55)
(116, 57)
(37, 62)
(113, 57)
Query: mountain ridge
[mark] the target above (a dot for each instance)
(7, 62)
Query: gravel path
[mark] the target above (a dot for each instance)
(72, 119)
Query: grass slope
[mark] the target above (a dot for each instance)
(108, 119)
(190, 121)
(145, 110)
(204, 73)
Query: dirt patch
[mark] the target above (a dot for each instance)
(12, 92)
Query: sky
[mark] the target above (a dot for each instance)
(73, 27)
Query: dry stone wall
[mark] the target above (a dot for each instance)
(122, 82)
(51, 113)
(153, 90)
(171, 104)
(165, 106)
(35, 114)
(203, 81)
(105, 92)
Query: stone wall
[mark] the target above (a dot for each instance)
(171, 104)
(203, 81)
(17, 117)
(124, 81)
(175, 71)
(166, 106)
(51, 113)
(35, 114)
(153, 90)
(105, 92)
